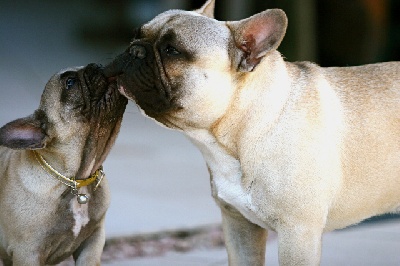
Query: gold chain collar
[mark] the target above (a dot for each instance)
(72, 182)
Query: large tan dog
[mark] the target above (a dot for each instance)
(52, 204)
(290, 147)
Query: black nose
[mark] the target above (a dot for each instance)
(137, 51)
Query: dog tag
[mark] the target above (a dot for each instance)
(82, 198)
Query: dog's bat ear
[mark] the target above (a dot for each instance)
(207, 9)
(25, 133)
(258, 35)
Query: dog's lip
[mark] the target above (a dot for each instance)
(122, 91)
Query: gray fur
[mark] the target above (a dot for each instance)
(41, 222)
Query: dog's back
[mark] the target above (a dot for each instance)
(357, 111)
(370, 98)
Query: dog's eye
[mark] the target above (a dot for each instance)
(170, 50)
(69, 83)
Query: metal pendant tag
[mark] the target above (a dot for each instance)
(82, 198)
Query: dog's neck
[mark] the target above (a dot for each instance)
(69, 181)
(64, 160)
(272, 82)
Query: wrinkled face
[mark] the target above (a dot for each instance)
(178, 69)
(83, 95)
(82, 105)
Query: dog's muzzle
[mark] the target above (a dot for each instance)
(141, 77)
(120, 64)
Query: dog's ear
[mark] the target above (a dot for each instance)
(258, 35)
(207, 9)
(25, 133)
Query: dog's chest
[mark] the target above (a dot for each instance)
(226, 175)
(80, 213)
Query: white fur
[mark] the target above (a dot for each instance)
(226, 176)
(80, 213)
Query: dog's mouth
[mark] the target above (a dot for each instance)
(105, 99)
(141, 78)
(104, 109)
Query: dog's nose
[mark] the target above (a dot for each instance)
(137, 51)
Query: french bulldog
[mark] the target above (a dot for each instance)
(53, 197)
(290, 147)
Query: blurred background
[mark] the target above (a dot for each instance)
(158, 179)
(330, 32)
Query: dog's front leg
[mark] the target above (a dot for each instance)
(245, 241)
(89, 252)
(299, 245)
(25, 257)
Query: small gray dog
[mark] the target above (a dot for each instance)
(53, 197)
(290, 147)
